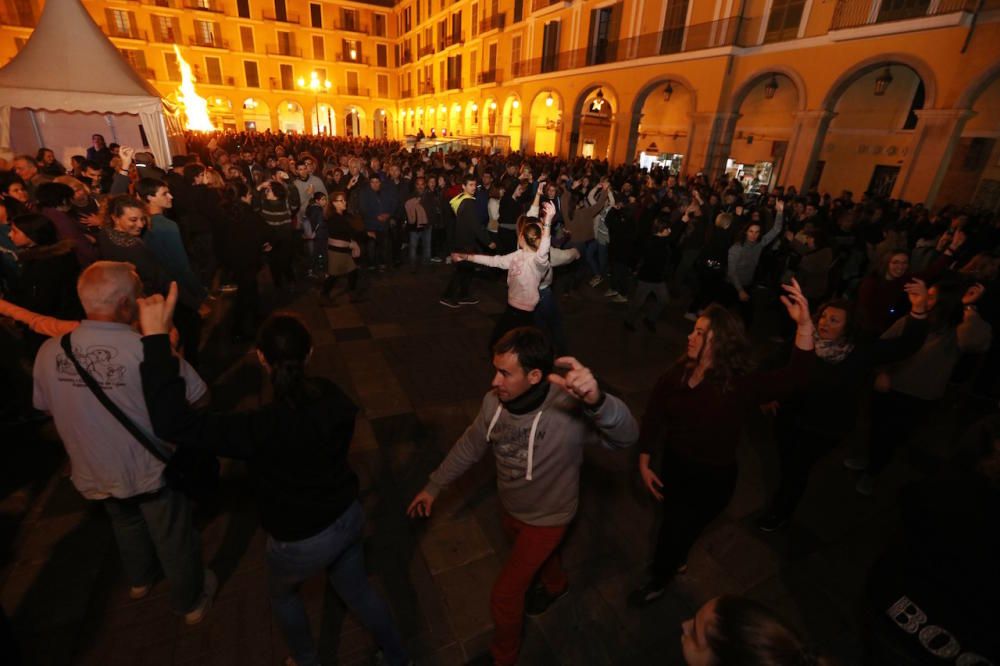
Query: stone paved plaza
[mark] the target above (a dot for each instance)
(419, 370)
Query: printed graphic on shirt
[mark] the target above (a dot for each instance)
(510, 447)
(98, 361)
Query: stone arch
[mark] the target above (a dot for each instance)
(639, 101)
(577, 109)
(972, 92)
(859, 69)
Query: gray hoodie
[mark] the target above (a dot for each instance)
(538, 454)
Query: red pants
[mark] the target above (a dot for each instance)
(534, 552)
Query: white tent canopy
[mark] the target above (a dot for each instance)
(70, 70)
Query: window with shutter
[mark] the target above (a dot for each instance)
(251, 74)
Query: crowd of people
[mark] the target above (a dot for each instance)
(109, 268)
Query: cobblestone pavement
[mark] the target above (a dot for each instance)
(419, 371)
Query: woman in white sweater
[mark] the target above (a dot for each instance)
(525, 268)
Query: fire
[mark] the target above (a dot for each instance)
(194, 106)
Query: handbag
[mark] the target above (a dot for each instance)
(190, 471)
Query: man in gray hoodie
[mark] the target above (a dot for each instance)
(536, 423)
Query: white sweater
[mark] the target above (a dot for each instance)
(525, 271)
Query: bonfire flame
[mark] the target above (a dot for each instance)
(194, 105)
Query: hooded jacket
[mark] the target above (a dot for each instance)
(538, 453)
(469, 231)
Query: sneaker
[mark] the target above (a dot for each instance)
(619, 299)
(865, 485)
(447, 260)
(596, 280)
(205, 602)
(610, 292)
(682, 569)
(228, 288)
(691, 316)
(141, 592)
(539, 600)
(647, 594)
(436, 260)
(468, 300)
(449, 302)
(771, 522)
(856, 464)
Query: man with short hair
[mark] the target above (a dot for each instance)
(99, 153)
(470, 237)
(151, 522)
(536, 422)
(377, 208)
(307, 185)
(26, 167)
(417, 223)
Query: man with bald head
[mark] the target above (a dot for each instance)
(151, 522)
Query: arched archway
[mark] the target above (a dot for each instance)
(220, 110)
(291, 117)
(594, 112)
(491, 116)
(256, 114)
(546, 123)
(381, 124)
(868, 135)
(325, 118)
(471, 122)
(974, 164)
(354, 121)
(510, 121)
(661, 114)
(455, 119)
(761, 126)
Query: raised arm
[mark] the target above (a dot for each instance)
(779, 222)
(41, 324)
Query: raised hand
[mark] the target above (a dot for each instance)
(796, 303)
(156, 313)
(548, 212)
(916, 291)
(579, 382)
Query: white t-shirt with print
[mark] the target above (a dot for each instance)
(107, 460)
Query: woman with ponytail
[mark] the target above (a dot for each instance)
(733, 631)
(297, 449)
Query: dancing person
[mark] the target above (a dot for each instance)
(695, 416)
(297, 450)
(470, 235)
(536, 422)
(341, 246)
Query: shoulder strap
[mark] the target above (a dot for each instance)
(103, 398)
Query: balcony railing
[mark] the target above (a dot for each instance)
(489, 76)
(450, 39)
(211, 6)
(145, 72)
(131, 33)
(357, 60)
(405, 93)
(542, 4)
(354, 91)
(495, 22)
(856, 13)
(289, 18)
(169, 37)
(406, 57)
(215, 43)
(425, 50)
(352, 27)
(287, 51)
(163, 4)
(425, 88)
(453, 84)
(727, 32)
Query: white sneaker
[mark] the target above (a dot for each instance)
(610, 292)
(596, 280)
(205, 601)
(618, 298)
(137, 593)
(447, 260)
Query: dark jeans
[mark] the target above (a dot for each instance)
(549, 319)
(461, 278)
(246, 303)
(894, 416)
(155, 533)
(621, 277)
(694, 494)
(283, 247)
(337, 550)
(798, 451)
(380, 249)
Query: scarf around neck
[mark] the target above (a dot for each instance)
(832, 351)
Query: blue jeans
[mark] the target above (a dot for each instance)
(597, 257)
(548, 318)
(339, 551)
(424, 237)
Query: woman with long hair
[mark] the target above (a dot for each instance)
(695, 416)
(342, 247)
(811, 423)
(734, 631)
(743, 258)
(297, 450)
(906, 390)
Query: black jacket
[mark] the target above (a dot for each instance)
(470, 234)
(243, 242)
(297, 455)
(47, 281)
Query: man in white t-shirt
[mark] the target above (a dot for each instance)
(152, 523)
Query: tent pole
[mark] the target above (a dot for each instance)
(109, 119)
(36, 128)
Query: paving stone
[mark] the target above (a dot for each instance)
(453, 544)
(466, 593)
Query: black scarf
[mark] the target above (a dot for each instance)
(530, 400)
